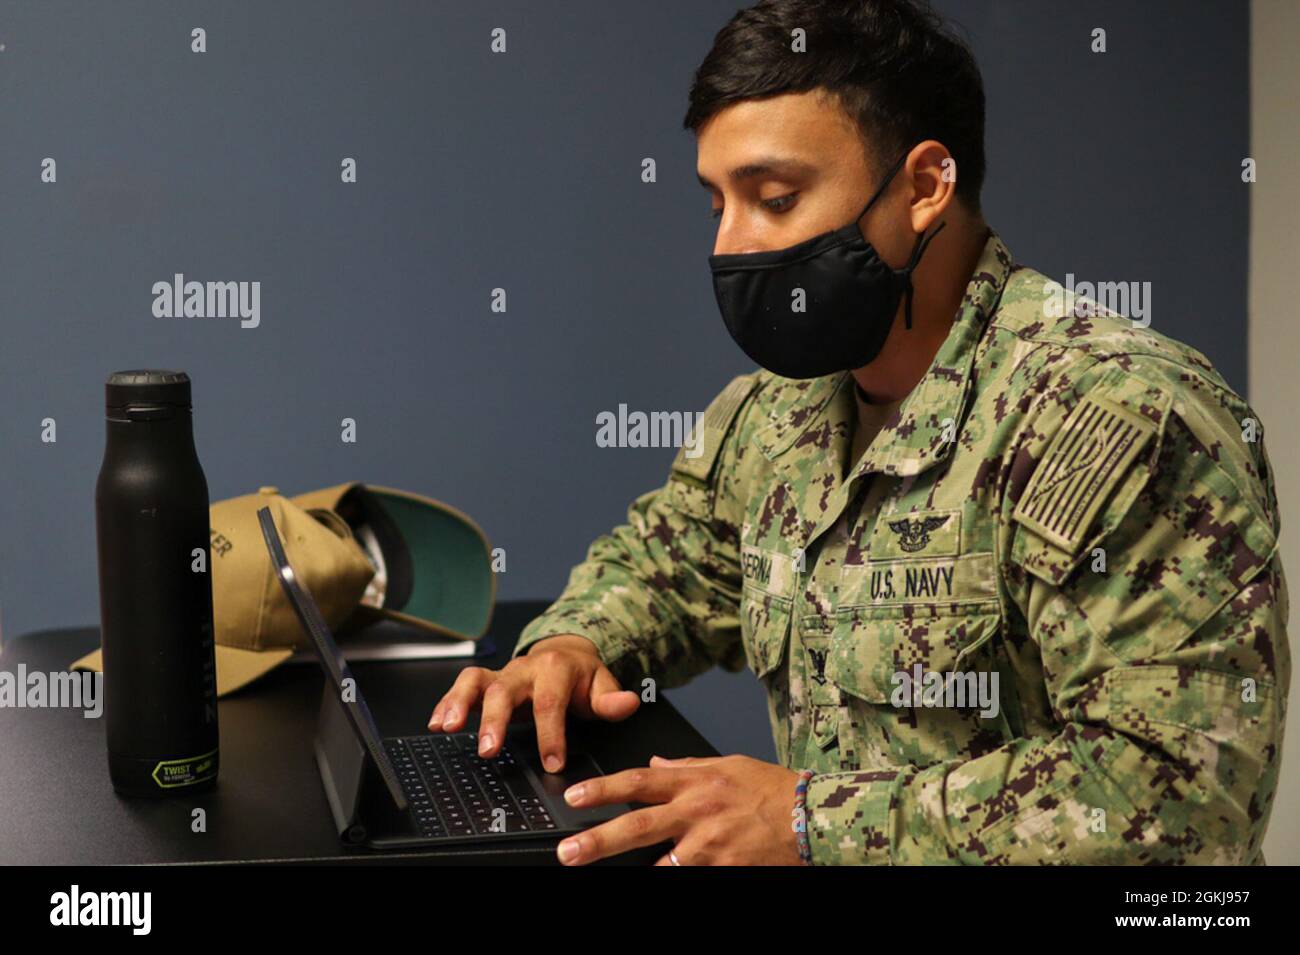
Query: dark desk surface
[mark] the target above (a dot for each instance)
(57, 807)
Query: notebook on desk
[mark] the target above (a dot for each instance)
(417, 646)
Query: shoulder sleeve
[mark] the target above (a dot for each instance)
(695, 477)
(1146, 502)
(1090, 452)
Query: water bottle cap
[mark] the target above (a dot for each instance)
(148, 387)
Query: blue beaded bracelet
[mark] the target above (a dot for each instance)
(800, 817)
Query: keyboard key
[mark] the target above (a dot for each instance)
(452, 791)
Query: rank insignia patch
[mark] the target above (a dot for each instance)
(1082, 466)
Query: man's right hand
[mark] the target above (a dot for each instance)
(557, 674)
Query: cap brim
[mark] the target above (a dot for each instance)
(454, 588)
(235, 668)
(365, 615)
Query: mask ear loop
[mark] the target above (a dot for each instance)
(922, 241)
(889, 177)
(917, 250)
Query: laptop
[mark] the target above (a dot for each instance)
(432, 789)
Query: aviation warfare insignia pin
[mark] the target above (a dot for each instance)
(914, 535)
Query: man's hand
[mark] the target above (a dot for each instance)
(557, 674)
(729, 810)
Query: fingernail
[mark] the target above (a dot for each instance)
(568, 850)
(552, 763)
(450, 716)
(435, 721)
(485, 743)
(573, 795)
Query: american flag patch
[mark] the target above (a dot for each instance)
(715, 424)
(1085, 461)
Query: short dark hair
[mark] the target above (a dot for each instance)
(898, 70)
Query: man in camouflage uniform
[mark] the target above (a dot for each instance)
(1073, 509)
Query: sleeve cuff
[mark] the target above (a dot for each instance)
(850, 817)
(613, 651)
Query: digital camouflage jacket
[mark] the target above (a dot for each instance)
(1072, 509)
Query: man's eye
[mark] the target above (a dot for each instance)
(780, 203)
(715, 213)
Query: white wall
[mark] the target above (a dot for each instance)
(1274, 326)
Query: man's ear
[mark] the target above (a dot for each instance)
(931, 173)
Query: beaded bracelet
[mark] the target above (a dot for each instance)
(800, 817)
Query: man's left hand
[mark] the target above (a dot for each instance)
(727, 810)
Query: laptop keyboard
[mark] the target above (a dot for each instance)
(453, 791)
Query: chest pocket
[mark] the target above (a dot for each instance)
(764, 629)
(872, 647)
(912, 653)
(765, 607)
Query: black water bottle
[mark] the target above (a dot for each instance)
(155, 590)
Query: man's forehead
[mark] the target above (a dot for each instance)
(760, 166)
(790, 133)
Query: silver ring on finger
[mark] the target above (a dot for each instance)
(672, 857)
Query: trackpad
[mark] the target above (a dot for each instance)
(577, 767)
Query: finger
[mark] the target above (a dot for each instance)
(455, 706)
(450, 713)
(552, 690)
(641, 827)
(631, 785)
(684, 762)
(608, 700)
(498, 703)
(667, 858)
(689, 851)
(615, 706)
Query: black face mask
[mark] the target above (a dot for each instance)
(850, 295)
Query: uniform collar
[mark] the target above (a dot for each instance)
(811, 425)
(924, 429)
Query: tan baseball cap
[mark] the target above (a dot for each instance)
(433, 564)
(253, 622)
(364, 552)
